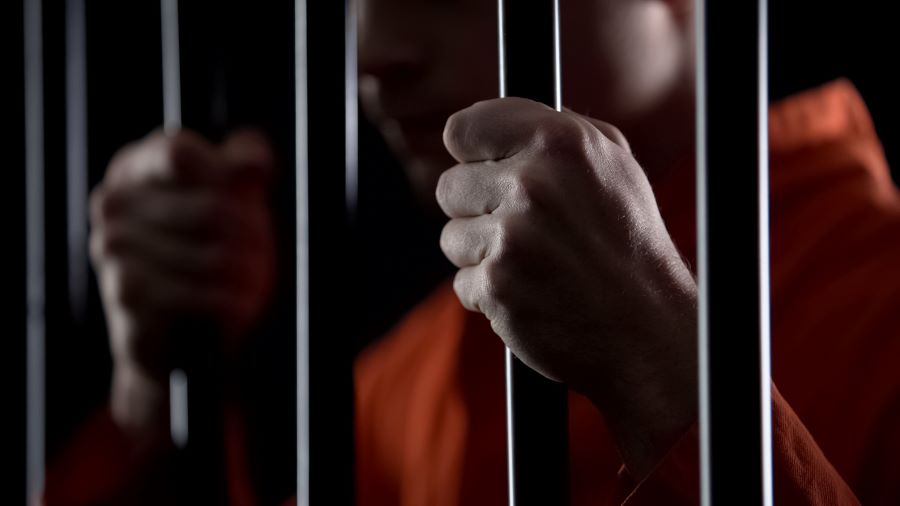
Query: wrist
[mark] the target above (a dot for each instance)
(651, 402)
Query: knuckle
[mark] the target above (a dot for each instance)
(617, 136)
(510, 241)
(106, 205)
(554, 131)
(453, 129)
(109, 242)
(176, 154)
(127, 286)
(498, 283)
(447, 237)
(444, 190)
(560, 136)
(530, 191)
(95, 248)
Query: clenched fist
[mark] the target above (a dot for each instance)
(560, 244)
(181, 230)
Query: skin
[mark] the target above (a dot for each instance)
(553, 223)
(180, 229)
(552, 219)
(560, 245)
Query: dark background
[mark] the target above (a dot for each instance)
(244, 52)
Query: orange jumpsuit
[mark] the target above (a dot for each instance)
(431, 416)
(430, 400)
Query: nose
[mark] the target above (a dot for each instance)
(392, 44)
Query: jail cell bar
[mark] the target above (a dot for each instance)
(733, 253)
(35, 251)
(325, 133)
(197, 377)
(734, 373)
(536, 408)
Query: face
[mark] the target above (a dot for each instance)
(420, 61)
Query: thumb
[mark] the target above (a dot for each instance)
(607, 129)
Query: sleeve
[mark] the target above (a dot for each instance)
(802, 474)
(835, 320)
(374, 484)
(101, 465)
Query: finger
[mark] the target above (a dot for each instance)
(137, 284)
(472, 189)
(190, 261)
(494, 129)
(468, 241)
(248, 157)
(163, 158)
(608, 130)
(471, 288)
(197, 214)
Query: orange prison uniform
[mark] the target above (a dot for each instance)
(430, 399)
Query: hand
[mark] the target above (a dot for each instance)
(181, 229)
(559, 243)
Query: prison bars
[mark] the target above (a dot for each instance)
(196, 381)
(34, 244)
(536, 408)
(325, 200)
(733, 253)
(734, 372)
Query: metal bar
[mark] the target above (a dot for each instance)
(171, 72)
(733, 253)
(325, 462)
(351, 93)
(35, 251)
(171, 65)
(196, 381)
(536, 408)
(76, 159)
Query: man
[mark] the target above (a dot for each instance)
(557, 228)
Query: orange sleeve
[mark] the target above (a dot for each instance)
(99, 466)
(835, 234)
(103, 465)
(802, 475)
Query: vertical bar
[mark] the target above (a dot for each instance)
(76, 158)
(325, 463)
(35, 270)
(197, 377)
(16, 436)
(171, 72)
(733, 256)
(351, 93)
(171, 65)
(302, 211)
(536, 408)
